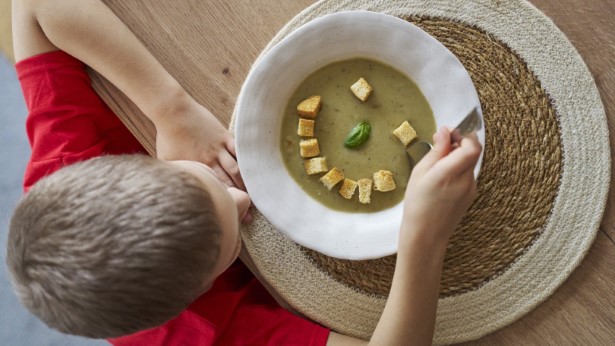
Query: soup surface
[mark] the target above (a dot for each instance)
(395, 99)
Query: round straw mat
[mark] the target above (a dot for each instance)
(541, 192)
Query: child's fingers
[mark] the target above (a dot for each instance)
(442, 146)
(247, 218)
(230, 146)
(221, 174)
(229, 164)
(462, 159)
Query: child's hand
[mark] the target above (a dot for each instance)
(191, 132)
(442, 187)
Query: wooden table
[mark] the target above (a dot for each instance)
(209, 48)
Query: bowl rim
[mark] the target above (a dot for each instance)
(387, 243)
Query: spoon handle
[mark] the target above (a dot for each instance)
(472, 122)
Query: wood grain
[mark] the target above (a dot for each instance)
(581, 312)
(6, 40)
(209, 47)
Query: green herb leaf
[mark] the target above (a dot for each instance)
(358, 135)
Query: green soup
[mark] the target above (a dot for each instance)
(395, 99)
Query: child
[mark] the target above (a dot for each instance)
(137, 249)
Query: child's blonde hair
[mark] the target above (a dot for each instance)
(113, 245)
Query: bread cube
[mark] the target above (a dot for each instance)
(361, 89)
(405, 133)
(309, 148)
(348, 188)
(315, 165)
(383, 181)
(305, 128)
(333, 177)
(310, 107)
(365, 190)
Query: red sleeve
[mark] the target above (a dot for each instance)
(237, 310)
(67, 121)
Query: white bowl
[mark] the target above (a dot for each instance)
(274, 78)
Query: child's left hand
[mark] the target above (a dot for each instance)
(191, 132)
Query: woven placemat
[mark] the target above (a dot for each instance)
(541, 192)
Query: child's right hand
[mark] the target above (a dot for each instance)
(441, 187)
(191, 132)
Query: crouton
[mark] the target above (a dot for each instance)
(309, 148)
(348, 188)
(315, 165)
(332, 178)
(305, 128)
(310, 106)
(361, 89)
(405, 133)
(383, 181)
(365, 190)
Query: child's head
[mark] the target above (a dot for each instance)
(118, 244)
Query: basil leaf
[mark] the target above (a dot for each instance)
(358, 135)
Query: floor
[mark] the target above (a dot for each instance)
(17, 326)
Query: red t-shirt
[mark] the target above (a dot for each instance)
(68, 122)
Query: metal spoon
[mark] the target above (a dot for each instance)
(472, 122)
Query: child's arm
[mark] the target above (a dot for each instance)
(90, 31)
(440, 190)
